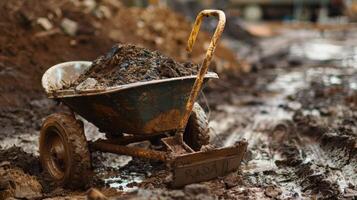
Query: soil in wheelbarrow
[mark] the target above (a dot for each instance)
(126, 63)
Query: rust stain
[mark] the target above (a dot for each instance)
(105, 146)
(105, 111)
(163, 122)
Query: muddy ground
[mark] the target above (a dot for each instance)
(298, 114)
(297, 108)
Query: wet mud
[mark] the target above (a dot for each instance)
(296, 108)
(300, 123)
(125, 64)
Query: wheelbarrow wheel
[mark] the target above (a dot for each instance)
(197, 132)
(64, 152)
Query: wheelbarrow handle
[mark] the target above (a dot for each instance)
(207, 60)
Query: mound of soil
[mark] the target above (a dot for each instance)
(125, 64)
(167, 31)
(27, 50)
(28, 47)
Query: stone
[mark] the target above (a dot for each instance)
(89, 83)
(103, 12)
(45, 23)
(70, 27)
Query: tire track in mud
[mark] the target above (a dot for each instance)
(299, 160)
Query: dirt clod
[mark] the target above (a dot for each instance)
(232, 180)
(272, 191)
(16, 183)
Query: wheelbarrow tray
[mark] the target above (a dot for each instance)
(137, 108)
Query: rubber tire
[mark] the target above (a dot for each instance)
(197, 131)
(78, 172)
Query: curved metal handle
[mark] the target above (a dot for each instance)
(206, 62)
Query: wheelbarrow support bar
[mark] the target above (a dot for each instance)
(107, 146)
(186, 168)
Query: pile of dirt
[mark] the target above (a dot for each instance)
(128, 64)
(27, 49)
(35, 35)
(167, 31)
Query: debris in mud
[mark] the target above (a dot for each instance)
(232, 180)
(272, 192)
(128, 64)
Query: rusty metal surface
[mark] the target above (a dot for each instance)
(109, 147)
(175, 147)
(206, 165)
(144, 109)
(187, 167)
(62, 74)
(196, 88)
(128, 139)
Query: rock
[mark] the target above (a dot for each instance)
(73, 42)
(89, 5)
(103, 12)
(272, 191)
(94, 194)
(89, 83)
(44, 23)
(70, 27)
(159, 40)
(15, 183)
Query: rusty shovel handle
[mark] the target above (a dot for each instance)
(206, 62)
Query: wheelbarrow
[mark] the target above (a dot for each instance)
(161, 111)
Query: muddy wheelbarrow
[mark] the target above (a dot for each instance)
(161, 111)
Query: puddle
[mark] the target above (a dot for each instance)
(125, 183)
(323, 50)
(28, 142)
